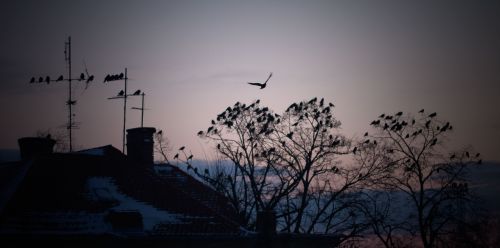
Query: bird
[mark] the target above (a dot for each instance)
(137, 92)
(121, 93)
(421, 111)
(91, 78)
(190, 156)
(399, 113)
(427, 123)
(40, 79)
(47, 79)
(82, 76)
(32, 80)
(61, 78)
(107, 78)
(120, 76)
(433, 115)
(289, 135)
(176, 156)
(182, 148)
(467, 154)
(452, 156)
(477, 154)
(200, 133)
(366, 134)
(160, 132)
(262, 86)
(381, 116)
(354, 150)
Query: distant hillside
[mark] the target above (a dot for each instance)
(485, 182)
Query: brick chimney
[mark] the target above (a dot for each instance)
(140, 144)
(33, 146)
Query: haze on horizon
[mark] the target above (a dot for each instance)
(193, 59)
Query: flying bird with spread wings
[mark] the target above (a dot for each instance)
(262, 86)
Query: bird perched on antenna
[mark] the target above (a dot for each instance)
(262, 86)
(121, 93)
(137, 92)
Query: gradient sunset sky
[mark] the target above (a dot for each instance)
(193, 59)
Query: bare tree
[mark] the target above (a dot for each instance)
(288, 164)
(162, 145)
(412, 152)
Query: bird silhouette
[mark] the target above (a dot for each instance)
(160, 132)
(47, 80)
(121, 93)
(137, 92)
(262, 86)
(433, 115)
(32, 80)
(40, 79)
(200, 133)
(355, 149)
(366, 134)
(120, 76)
(107, 78)
(82, 77)
(399, 113)
(190, 157)
(60, 78)
(421, 111)
(290, 135)
(176, 156)
(91, 78)
(182, 148)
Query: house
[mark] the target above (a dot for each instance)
(101, 197)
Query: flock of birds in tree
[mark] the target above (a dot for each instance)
(393, 124)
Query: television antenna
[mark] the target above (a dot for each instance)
(141, 109)
(70, 102)
(121, 95)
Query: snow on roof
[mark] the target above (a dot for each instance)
(105, 189)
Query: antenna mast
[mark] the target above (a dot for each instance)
(70, 102)
(122, 94)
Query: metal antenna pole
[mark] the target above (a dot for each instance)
(142, 110)
(124, 111)
(70, 101)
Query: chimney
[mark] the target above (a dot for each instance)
(266, 223)
(140, 144)
(33, 146)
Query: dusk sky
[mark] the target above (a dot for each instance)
(193, 59)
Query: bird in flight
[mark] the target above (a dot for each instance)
(262, 86)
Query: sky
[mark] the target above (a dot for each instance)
(193, 59)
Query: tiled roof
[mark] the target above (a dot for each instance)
(76, 192)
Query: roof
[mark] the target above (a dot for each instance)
(98, 191)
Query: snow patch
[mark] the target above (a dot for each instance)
(105, 189)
